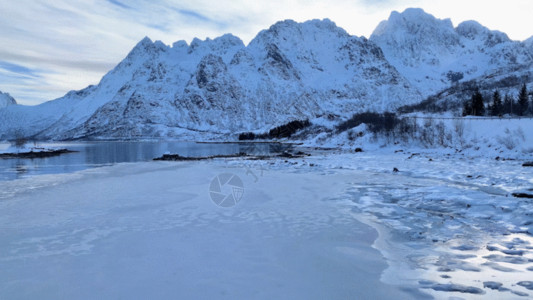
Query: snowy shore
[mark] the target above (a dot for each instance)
(306, 228)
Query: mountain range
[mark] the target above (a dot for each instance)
(291, 71)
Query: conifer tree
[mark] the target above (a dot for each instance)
(523, 101)
(467, 108)
(508, 104)
(478, 108)
(496, 106)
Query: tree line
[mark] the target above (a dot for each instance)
(509, 105)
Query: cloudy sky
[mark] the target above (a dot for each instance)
(50, 47)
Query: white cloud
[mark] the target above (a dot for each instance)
(74, 43)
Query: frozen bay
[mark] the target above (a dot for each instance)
(305, 228)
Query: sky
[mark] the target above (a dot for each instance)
(48, 48)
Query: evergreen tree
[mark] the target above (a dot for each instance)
(496, 107)
(523, 101)
(508, 104)
(467, 108)
(478, 108)
(530, 110)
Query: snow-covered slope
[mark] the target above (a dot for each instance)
(290, 71)
(6, 100)
(529, 44)
(432, 54)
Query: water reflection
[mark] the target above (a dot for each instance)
(94, 154)
(20, 168)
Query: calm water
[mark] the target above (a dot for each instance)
(95, 154)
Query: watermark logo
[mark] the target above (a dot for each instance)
(226, 190)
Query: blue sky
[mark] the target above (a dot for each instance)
(50, 47)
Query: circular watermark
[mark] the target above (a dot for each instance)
(226, 190)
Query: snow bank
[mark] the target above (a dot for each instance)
(473, 137)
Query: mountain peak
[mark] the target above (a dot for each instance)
(473, 30)
(146, 46)
(293, 33)
(287, 25)
(145, 43)
(426, 49)
(412, 13)
(225, 46)
(413, 21)
(6, 100)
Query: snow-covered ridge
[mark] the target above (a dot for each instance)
(6, 100)
(429, 51)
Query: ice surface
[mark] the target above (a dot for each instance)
(446, 227)
(149, 230)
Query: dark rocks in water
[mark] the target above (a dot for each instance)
(298, 154)
(301, 153)
(395, 170)
(528, 164)
(523, 195)
(36, 154)
(358, 150)
(177, 157)
(285, 154)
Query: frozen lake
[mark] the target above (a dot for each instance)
(96, 154)
(329, 226)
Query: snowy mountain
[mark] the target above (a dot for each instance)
(312, 70)
(6, 100)
(212, 87)
(432, 54)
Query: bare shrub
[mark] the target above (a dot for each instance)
(19, 141)
(459, 128)
(508, 140)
